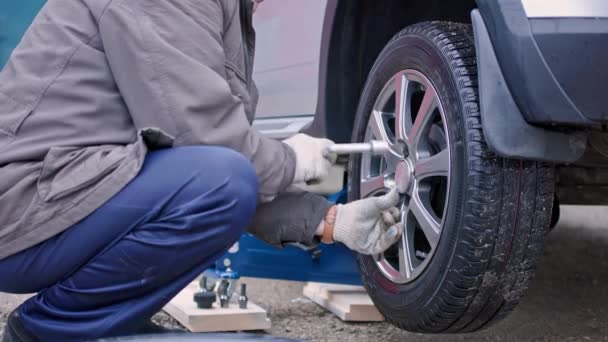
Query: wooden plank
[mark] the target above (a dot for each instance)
(349, 303)
(217, 319)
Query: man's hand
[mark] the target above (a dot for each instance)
(311, 164)
(369, 226)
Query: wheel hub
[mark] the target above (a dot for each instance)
(404, 177)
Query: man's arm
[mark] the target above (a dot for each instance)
(368, 226)
(168, 60)
(291, 217)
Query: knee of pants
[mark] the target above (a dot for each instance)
(241, 186)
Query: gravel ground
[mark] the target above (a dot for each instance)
(567, 301)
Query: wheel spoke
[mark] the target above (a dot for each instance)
(427, 107)
(378, 126)
(437, 165)
(405, 259)
(427, 221)
(401, 103)
(371, 185)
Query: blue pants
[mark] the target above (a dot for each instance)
(109, 273)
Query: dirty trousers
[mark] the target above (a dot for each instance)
(112, 271)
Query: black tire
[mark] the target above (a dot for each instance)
(498, 209)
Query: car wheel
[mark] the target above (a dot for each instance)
(474, 222)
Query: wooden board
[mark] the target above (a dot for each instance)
(349, 303)
(217, 319)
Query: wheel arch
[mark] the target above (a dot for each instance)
(354, 34)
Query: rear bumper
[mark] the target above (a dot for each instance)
(555, 65)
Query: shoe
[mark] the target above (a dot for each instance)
(14, 331)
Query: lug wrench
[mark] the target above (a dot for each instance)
(373, 147)
(342, 151)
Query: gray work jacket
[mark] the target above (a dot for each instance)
(95, 84)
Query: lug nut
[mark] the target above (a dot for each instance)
(243, 297)
(204, 299)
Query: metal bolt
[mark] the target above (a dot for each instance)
(224, 299)
(421, 254)
(203, 284)
(243, 297)
(406, 149)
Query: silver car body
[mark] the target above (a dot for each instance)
(287, 64)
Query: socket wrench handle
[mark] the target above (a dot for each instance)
(374, 147)
(342, 151)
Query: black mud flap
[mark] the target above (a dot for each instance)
(505, 129)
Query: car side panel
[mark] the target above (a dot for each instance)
(287, 56)
(552, 55)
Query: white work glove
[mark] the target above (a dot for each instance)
(369, 226)
(311, 164)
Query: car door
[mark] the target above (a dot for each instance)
(286, 67)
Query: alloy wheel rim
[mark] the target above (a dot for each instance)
(409, 117)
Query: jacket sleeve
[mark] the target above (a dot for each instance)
(291, 217)
(169, 63)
